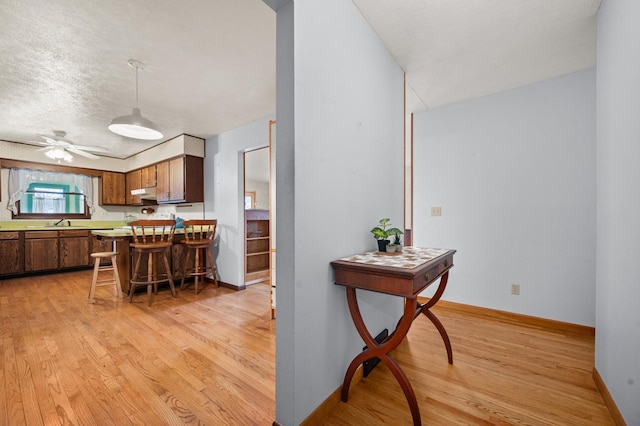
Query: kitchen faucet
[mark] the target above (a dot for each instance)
(62, 220)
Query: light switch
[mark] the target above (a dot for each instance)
(436, 211)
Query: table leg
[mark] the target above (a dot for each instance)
(382, 350)
(424, 308)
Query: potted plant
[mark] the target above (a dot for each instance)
(396, 239)
(382, 232)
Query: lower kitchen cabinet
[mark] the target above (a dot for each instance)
(41, 251)
(100, 246)
(25, 252)
(74, 248)
(11, 253)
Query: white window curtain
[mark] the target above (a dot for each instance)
(20, 179)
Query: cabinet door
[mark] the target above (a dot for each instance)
(170, 176)
(176, 175)
(11, 256)
(163, 181)
(148, 176)
(112, 189)
(41, 251)
(178, 257)
(74, 248)
(134, 181)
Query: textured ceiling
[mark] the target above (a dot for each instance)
(210, 64)
(210, 67)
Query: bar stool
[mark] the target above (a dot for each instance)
(199, 235)
(115, 281)
(153, 239)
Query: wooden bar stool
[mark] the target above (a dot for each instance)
(115, 281)
(151, 239)
(199, 235)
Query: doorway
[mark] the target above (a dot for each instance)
(257, 217)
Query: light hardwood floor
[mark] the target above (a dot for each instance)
(205, 359)
(210, 359)
(505, 372)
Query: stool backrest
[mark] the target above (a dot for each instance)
(152, 231)
(200, 229)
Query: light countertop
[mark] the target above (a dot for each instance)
(38, 225)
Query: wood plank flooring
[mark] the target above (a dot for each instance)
(205, 359)
(210, 359)
(505, 372)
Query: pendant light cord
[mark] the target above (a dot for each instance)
(137, 68)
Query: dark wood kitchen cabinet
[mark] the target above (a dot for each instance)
(112, 189)
(148, 176)
(133, 181)
(74, 248)
(41, 251)
(180, 180)
(11, 253)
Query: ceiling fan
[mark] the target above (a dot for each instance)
(57, 146)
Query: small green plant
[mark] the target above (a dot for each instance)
(396, 238)
(384, 230)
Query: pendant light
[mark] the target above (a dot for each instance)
(135, 125)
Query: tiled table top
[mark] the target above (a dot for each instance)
(410, 257)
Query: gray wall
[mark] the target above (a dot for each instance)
(340, 132)
(514, 173)
(224, 193)
(618, 270)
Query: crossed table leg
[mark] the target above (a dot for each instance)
(412, 309)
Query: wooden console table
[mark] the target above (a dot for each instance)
(403, 274)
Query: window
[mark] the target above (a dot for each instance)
(249, 200)
(36, 194)
(50, 198)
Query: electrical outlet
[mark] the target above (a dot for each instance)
(436, 211)
(515, 289)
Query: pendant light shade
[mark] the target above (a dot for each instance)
(135, 125)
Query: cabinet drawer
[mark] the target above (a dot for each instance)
(9, 235)
(74, 233)
(40, 234)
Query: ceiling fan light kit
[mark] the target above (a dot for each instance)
(59, 154)
(135, 125)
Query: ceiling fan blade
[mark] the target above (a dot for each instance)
(91, 148)
(82, 153)
(54, 142)
(45, 148)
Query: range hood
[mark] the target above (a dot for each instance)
(145, 193)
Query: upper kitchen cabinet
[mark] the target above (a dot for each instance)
(112, 189)
(148, 176)
(134, 181)
(180, 180)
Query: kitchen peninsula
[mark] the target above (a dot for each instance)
(121, 238)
